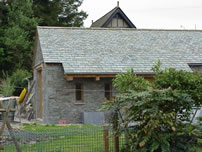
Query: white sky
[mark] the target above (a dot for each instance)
(150, 14)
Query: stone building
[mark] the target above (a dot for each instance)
(73, 67)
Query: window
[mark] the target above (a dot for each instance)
(108, 91)
(79, 92)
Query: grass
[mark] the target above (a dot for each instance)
(71, 138)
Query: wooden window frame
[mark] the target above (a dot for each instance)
(110, 91)
(81, 93)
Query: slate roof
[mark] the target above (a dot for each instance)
(112, 51)
(104, 20)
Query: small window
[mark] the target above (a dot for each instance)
(79, 92)
(108, 91)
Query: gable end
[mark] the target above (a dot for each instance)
(105, 20)
(121, 14)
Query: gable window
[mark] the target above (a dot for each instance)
(108, 91)
(79, 92)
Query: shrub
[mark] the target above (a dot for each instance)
(20, 79)
(160, 111)
(6, 86)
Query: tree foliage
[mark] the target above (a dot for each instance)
(155, 117)
(128, 81)
(6, 86)
(18, 28)
(13, 84)
(20, 80)
(18, 21)
(59, 12)
(3, 23)
(186, 82)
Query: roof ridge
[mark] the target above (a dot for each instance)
(124, 16)
(105, 15)
(114, 29)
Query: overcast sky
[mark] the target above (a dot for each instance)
(150, 14)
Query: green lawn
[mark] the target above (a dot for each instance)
(73, 138)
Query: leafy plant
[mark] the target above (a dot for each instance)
(155, 117)
(199, 124)
(186, 82)
(129, 81)
(20, 79)
(6, 86)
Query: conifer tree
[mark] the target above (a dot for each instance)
(18, 21)
(3, 24)
(59, 12)
(18, 35)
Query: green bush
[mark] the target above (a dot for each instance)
(160, 110)
(7, 87)
(20, 79)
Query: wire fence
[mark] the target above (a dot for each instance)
(79, 139)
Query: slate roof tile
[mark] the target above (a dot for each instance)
(115, 50)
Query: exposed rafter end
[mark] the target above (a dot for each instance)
(69, 78)
(39, 67)
(97, 78)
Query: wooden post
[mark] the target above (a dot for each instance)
(106, 139)
(24, 102)
(1, 147)
(116, 136)
(126, 127)
(10, 129)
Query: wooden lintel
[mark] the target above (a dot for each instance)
(97, 77)
(91, 76)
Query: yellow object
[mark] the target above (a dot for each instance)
(22, 95)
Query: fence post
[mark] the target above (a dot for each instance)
(106, 139)
(116, 136)
(10, 129)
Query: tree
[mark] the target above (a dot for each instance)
(17, 35)
(59, 12)
(3, 24)
(186, 82)
(18, 21)
(160, 111)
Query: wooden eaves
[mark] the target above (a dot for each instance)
(97, 77)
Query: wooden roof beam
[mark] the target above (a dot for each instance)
(97, 77)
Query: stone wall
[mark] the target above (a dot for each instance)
(59, 96)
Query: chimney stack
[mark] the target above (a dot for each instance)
(117, 3)
(92, 21)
